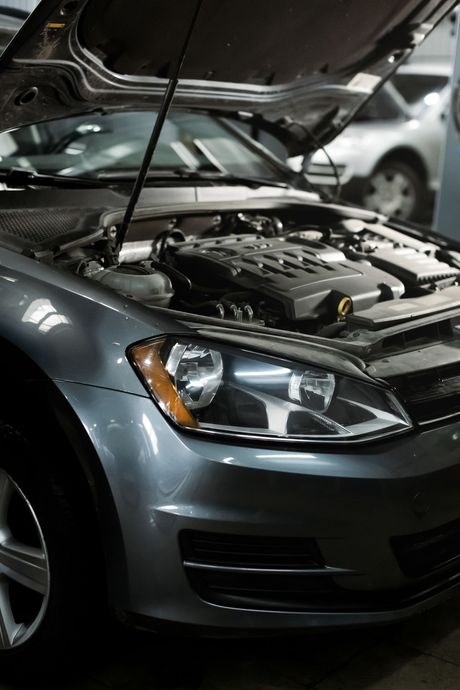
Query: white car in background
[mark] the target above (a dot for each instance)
(388, 158)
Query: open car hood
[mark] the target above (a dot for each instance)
(297, 66)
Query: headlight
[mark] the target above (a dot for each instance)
(217, 389)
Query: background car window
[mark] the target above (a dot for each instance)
(382, 106)
(416, 88)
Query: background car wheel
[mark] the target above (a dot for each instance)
(47, 591)
(395, 189)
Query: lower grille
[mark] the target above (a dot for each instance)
(249, 551)
(278, 574)
(290, 592)
(423, 553)
(255, 571)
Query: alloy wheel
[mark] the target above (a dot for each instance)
(24, 566)
(391, 192)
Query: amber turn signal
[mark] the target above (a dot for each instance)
(148, 360)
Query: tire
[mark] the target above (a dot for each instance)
(47, 587)
(397, 190)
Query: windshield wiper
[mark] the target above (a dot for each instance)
(184, 174)
(19, 177)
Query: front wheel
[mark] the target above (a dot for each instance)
(24, 567)
(47, 587)
(397, 190)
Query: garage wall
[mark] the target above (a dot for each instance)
(440, 45)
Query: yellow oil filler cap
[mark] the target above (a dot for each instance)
(344, 307)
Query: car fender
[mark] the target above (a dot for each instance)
(71, 328)
(57, 328)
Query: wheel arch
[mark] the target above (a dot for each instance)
(407, 155)
(32, 402)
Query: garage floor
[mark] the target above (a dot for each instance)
(423, 653)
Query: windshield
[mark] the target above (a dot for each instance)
(93, 145)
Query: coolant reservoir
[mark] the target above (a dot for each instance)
(141, 283)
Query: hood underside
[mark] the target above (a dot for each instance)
(307, 65)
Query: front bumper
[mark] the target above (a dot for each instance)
(347, 505)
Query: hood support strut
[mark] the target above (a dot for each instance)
(156, 132)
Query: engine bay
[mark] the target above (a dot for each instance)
(334, 279)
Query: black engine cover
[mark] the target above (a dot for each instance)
(299, 276)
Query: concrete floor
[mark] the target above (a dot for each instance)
(421, 654)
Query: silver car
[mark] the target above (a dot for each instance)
(388, 159)
(226, 403)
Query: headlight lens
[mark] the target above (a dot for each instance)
(227, 391)
(196, 372)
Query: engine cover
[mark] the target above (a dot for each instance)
(299, 277)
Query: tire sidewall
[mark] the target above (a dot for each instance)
(34, 476)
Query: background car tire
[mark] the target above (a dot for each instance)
(396, 189)
(41, 523)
